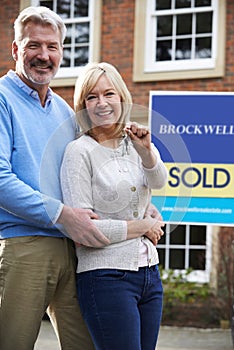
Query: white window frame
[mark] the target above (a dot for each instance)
(67, 76)
(200, 276)
(145, 67)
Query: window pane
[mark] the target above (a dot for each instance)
(66, 62)
(182, 3)
(82, 33)
(81, 8)
(69, 34)
(81, 56)
(197, 258)
(177, 259)
(63, 8)
(183, 49)
(203, 48)
(163, 52)
(184, 24)
(48, 4)
(164, 26)
(199, 3)
(161, 255)
(177, 235)
(204, 22)
(163, 4)
(197, 235)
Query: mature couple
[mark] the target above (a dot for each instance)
(56, 189)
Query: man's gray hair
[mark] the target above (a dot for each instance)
(39, 15)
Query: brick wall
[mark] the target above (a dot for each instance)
(117, 48)
(8, 11)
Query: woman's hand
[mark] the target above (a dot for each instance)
(139, 134)
(141, 139)
(153, 212)
(156, 232)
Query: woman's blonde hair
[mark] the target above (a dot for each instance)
(84, 85)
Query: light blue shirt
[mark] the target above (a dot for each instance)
(32, 142)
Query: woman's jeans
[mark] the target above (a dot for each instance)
(122, 309)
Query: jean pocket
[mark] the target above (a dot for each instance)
(109, 274)
(156, 271)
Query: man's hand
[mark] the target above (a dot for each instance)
(79, 227)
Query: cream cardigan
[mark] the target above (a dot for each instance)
(115, 185)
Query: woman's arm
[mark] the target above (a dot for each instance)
(76, 184)
(119, 230)
(153, 166)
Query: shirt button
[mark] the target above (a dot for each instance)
(133, 189)
(135, 214)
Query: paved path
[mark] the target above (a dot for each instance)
(170, 338)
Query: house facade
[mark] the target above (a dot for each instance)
(157, 45)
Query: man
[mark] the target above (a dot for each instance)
(37, 261)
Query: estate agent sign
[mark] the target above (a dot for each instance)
(194, 132)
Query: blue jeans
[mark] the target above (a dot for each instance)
(122, 309)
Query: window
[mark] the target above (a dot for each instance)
(179, 39)
(82, 43)
(186, 246)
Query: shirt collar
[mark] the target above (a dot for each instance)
(29, 91)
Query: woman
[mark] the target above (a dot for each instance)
(111, 169)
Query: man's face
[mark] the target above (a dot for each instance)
(39, 55)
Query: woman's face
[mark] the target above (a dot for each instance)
(103, 104)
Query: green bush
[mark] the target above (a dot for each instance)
(188, 303)
(177, 288)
